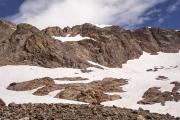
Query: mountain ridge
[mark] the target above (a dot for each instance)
(109, 46)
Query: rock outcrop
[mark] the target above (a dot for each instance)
(109, 46)
(154, 95)
(93, 92)
(30, 85)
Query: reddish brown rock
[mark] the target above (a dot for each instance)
(30, 85)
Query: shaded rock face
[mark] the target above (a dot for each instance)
(76, 112)
(93, 93)
(111, 46)
(2, 103)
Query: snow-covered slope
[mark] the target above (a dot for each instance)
(134, 70)
(140, 80)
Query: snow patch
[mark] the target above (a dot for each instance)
(96, 64)
(178, 91)
(102, 26)
(54, 93)
(70, 82)
(69, 38)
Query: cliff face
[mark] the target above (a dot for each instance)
(155, 39)
(28, 45)
(109, 46)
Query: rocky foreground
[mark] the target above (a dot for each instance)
(75, 112)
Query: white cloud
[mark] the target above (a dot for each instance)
(153, 11)
(43, 13)
(173, 7)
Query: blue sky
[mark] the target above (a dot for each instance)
(170, 19)
(165, 14)
(9, 7)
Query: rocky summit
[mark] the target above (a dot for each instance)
(109, 46)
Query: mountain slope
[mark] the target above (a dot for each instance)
(109, 46)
